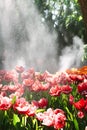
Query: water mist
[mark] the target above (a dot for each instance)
(25, 40)
(72, 55)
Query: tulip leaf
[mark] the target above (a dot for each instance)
(15, 119)
(76, 124)
(13, 100)
(35, 123)
(40, 110)
(69, 113)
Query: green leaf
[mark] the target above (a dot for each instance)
(40, 110)
(24, 120)
(15, 119)
(69, 113)
(80, 18)
(35, 124)
(13, 100)
(76, 1)
(76, 124)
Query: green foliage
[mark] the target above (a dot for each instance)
(63, 15)
(15, 119)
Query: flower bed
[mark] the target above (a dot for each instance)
(32, 100)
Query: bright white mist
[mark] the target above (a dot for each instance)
(24, 40)
(71, 55)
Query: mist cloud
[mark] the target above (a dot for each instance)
(25, 40)
(71, 55)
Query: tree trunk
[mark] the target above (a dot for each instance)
(83, 4)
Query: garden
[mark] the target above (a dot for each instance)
(31, 100)
(41, 32)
